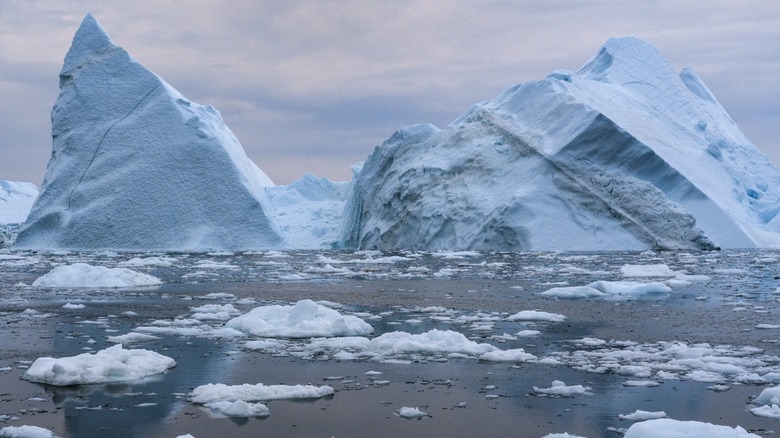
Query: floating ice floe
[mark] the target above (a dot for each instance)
(657, 270)
(767, 404)
(114, 364)
(668, 428)
(640, 415)
(26, 432)
(561, 435)
(722, 364)
(559, 388)
(535, 315)
(411, 412)
(431, 342)
(614, 289)
(214, 392)
(83, 275)
(304, 319)
(514, 355)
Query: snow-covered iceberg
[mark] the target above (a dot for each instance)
(16, 200)
(622, 154)
(135, 165)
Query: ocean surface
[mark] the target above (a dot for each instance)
(700, 352)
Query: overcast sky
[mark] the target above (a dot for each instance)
(316, 85)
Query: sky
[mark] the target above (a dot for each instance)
(314, 86)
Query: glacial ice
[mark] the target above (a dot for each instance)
(114, 364)
(16, 200)
(622, 154)
(135, 165)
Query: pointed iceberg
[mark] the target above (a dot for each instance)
(622, 154)
(135, 165)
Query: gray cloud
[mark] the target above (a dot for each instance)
(314, 86)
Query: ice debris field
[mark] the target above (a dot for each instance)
(509, 329)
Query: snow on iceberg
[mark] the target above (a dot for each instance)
(135, 165)
(304, 319)
(114, 364)
(85, 275)
(16, 200)
(668, 428)
(622, 154)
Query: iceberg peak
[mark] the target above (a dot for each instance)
(625, 60)
(90, 41)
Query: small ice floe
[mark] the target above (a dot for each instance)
(572, 292)
(536, 315)
(73, 306)
(26, 432)
(82, 275)
(245, 400)
(640, 415)
(237, 408)
(434, 341)
(527, 333)
(666, 427)
(114, 364)
(768, 326)
(411, 413)
(657, 270)
(131, 338)
(164, 262)
(641, 383)
(560, 389)
(562, 435)
(767, 404)
(514, 355)
(304, 319)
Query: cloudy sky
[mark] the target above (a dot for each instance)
(316, 85)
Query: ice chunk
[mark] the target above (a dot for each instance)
(536, 315)
(434, 341)
(304, 319)
(26, 432)
(669, 428)
(559, 388)
(217, 392)
(88, 276)
(114, 364)
(411, 412)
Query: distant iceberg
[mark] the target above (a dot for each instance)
(135, 165)
(16, 200)
(623, 154)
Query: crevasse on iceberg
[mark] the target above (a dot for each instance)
(622, 154)
(135, 165)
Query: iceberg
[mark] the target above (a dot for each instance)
(623, 154)
(16, 200)
(135, 165)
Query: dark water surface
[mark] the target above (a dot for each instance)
(458, 393)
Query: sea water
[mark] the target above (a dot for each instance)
(675, 346)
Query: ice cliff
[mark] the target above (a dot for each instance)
(622, 154)
(135, 165)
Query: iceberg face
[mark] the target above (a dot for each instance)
(16, 200)
(135, 165)
(622, 154)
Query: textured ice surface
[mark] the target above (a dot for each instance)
(16, 200)
(622, 154)
(114, 364)
(88, 276)
(668, 428)
(135, 165)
